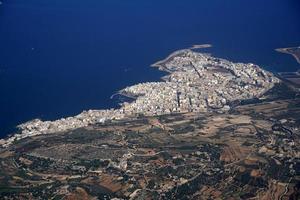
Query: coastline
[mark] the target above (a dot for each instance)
(167, 96)
(159, 63)
(293, 77)
(294, 51)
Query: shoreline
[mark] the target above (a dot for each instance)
(288, 50)
(166, 96)
(121, 92)
(178, 52)
(293, 77)
(126, 94)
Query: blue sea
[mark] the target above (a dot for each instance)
(59, 57)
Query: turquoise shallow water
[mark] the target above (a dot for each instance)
(60, 57)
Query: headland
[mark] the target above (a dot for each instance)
(197, 82)
(294, 51)
(293, 77)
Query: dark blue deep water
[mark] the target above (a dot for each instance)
(59, 57)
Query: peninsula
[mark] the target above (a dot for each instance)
(293, 77)
(294, 51)
(197, 82)
(212, 129)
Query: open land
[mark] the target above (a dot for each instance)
(212, 130)
(196, 82)
(252, 152)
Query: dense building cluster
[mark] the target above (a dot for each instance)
(37, 126)
(196, 82)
